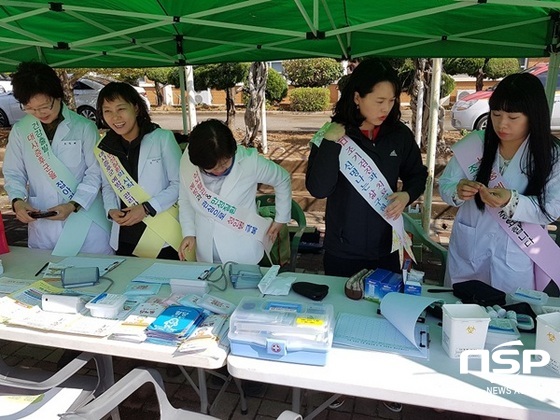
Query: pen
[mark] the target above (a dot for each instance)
(112, 266)
(41, 269)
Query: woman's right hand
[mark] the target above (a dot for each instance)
(116, 215)
(187, 245)
(466, 189)
(22, 209)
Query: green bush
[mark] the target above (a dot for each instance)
(447, 85)
(312, 72)
(276, 87)
(310, 99)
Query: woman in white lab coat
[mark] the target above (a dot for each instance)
(150, 156)
(518, 144)
(29, 179)
(233, 173)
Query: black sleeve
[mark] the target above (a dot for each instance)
(322, 169)
(413, 173)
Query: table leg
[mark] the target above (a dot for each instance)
(322, 407)
(296, 400)
(107, 379)
(202, 390)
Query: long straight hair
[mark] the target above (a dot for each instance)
(524, 93)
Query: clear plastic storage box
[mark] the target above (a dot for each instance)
(282, 330)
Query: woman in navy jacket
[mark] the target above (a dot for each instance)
(368, 112)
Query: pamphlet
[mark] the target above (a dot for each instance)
(162, 273)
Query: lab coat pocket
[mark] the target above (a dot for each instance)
(463, 241)
(70, 153)
(516, 259)
(154, 167)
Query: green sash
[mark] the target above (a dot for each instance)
(77, 225)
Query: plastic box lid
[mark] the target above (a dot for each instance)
(106, 305)
(302, 325)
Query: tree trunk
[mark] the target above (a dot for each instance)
(414, 92)
(424, 72)
(67, 84)
(159, 93)
(480, 76)
(230, 107)
(258, 73)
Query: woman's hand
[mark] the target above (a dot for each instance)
(466, 189)
(22, 209)
(398, 202)
(274, 230)
(187, 245)
(63, 211)
(128, 216)
(495, 197)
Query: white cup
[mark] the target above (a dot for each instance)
(464, 328)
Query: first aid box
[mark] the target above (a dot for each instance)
(282, 330)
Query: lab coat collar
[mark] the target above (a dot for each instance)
(236, 171)
(63, 128)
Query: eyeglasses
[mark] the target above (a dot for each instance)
(223, 168)
(40, 110)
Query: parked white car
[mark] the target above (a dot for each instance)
(471, 111)
(85, 93)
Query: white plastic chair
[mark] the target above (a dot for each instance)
(27, 393)
(115, 395)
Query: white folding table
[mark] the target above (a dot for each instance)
(435, 383)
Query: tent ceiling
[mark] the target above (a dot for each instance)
(151, 33)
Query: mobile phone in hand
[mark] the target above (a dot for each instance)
(42, 214)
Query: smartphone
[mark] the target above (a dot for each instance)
(42, 214)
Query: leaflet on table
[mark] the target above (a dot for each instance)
(32, 295)
(398, 332)
(54, 270)
(10, 308)
(133, 327)
(205, 336)
(9, 285)
(66, 323)
(272, 284)
(137, 288)
(174, 324)
(162, 273)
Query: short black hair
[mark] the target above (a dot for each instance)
(362, 80)
(115, 90)
(210, 142)
(33, 78)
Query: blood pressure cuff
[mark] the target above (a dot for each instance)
(476, 291)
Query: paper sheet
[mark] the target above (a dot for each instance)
(161, 273)
(398, 333)
(375, 333)
(403, 310)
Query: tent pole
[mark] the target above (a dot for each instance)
(191, 108)
(263, 127)
(419, 109)
(183, 107)
(432, 142)
(551, 78)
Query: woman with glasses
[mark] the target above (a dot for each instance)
(140, 165)
(51, 175)
(218, 212)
